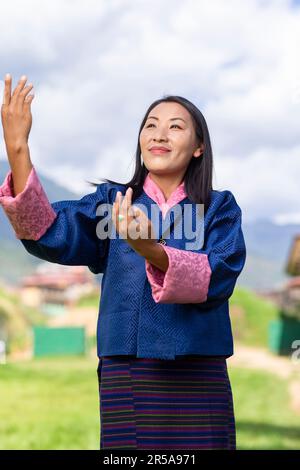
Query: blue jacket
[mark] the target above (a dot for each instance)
(130, 321)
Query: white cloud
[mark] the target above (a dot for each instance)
(265, 183)
(96, 66)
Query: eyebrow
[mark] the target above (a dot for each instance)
(172, 119)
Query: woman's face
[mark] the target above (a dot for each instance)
(178, 135)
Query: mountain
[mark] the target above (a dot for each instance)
(15, 261)
(268, 245)
(269, 240)
(54, 191)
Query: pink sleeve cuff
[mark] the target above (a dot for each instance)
(186, 279)
(30, 212)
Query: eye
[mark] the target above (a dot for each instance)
(171, 126)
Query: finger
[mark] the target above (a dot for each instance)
(118, 202)
(117, 206)
(127, 204)
(113, 215)
(7, 90)
(24, 93)
(124, 204)
(132, 212)
(18, 89)
(28, 101)
(115, 202)
(135, 212)
(129, 196)
(117, 198)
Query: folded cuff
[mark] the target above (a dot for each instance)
(30, 212)
(186, 279)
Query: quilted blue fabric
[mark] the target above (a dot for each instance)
(130, 321)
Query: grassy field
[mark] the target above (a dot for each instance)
(264, 419)
(49, 404)
(53, 404)
(252, 326)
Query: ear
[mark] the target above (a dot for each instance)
(199, 151)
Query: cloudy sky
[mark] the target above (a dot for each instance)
(97, 65)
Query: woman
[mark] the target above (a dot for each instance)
(164, 332)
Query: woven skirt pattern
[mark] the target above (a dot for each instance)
(184, 403)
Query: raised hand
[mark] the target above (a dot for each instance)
(134, 226)
(16, 121)
(16, 113)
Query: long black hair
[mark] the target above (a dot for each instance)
(198, 175)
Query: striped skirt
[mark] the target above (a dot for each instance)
(184, 403)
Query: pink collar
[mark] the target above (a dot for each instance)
(153, 191)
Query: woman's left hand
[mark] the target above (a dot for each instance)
(135, 227)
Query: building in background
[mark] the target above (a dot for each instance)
(54, 287)
(284, 333)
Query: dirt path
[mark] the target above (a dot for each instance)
(262, 359)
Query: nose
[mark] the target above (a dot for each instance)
(159, 136)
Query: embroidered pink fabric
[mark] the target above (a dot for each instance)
(30, 212)
(188, 275)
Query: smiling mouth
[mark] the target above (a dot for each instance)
(159, 151)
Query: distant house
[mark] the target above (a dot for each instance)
(291, 292)
(284, 333)
(290, 298)
(53, 286)
(293, 263)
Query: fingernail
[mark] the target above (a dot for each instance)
(23, 77)
(7, 76)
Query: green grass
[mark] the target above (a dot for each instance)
(49, 404)
(16, 321)
(251, 328)
(264, 419)
(53, 404)
(89, 300)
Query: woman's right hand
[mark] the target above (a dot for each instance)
(16, 114)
